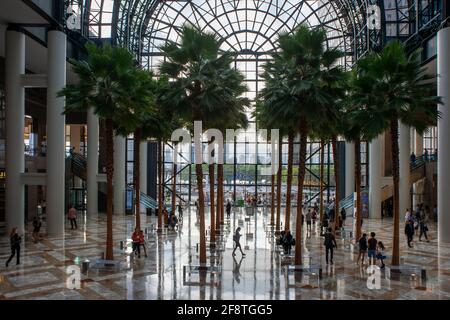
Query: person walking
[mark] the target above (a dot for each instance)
(308, 220)
(288, 242)
(72, 215)
(330, 244)
(423, 225)
(409, 232)
(180, 210)
(228, 209)
(362, 249)
(15, 241)
(142, 242)
(408, 215)
(412, 158)
(343, 216)
(372, 248)
(380, 253)
(37, 224)
(135, 237)
(324, 225)
(314, 216)
(236, 239)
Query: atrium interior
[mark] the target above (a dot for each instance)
(143, 141)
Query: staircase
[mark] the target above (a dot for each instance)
(148, 202)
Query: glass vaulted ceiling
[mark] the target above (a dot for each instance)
(245, 26)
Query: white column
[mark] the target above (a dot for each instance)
(56, 133)
(143, 169)
(404, 140)
(92, 163)
(15, 115)
(119, 175)
(375, 178)
(349, 168)
(443, 168)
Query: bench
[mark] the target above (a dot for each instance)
(108, 265)
(189, 270)
(408, 270)
(301, 270)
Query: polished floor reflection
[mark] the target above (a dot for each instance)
(170, 269)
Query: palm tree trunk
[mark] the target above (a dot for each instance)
(163, 176)
(219, 210)
(109, 188)
(272, 200)
(322, 157)
(160, 202)
(280, 168)
(300, 182)
(395, 176)
(287, 217)
(337, 181)
(201, 209)
(137, 188)
(212, 204)
(174, 187)
(358, 187)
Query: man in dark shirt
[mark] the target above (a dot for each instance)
(330, 244)
(372, 248)
(362, 248)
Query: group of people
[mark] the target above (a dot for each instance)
(426, 156)
(373, 248)
(172, 218)
(287, 241)
(417, 222)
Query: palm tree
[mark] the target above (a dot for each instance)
(106, 82)
(202, 87)
(294, 92)
(143, 118)
(235, 119)
(359, 125)
(400, 91)
(265, 120)
(335, 86)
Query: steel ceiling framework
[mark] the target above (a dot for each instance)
(142, 24)
(250, 28)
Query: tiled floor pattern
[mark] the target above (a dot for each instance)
(262, 274)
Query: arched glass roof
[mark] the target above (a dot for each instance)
(251, 25)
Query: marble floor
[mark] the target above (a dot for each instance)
(169, 270)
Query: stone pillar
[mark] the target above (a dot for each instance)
(404, 162)
(15, 120)
(119, 175)
(349, 168)
(375, 178)
(92, 163)
(56, 133)
(443, 168)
